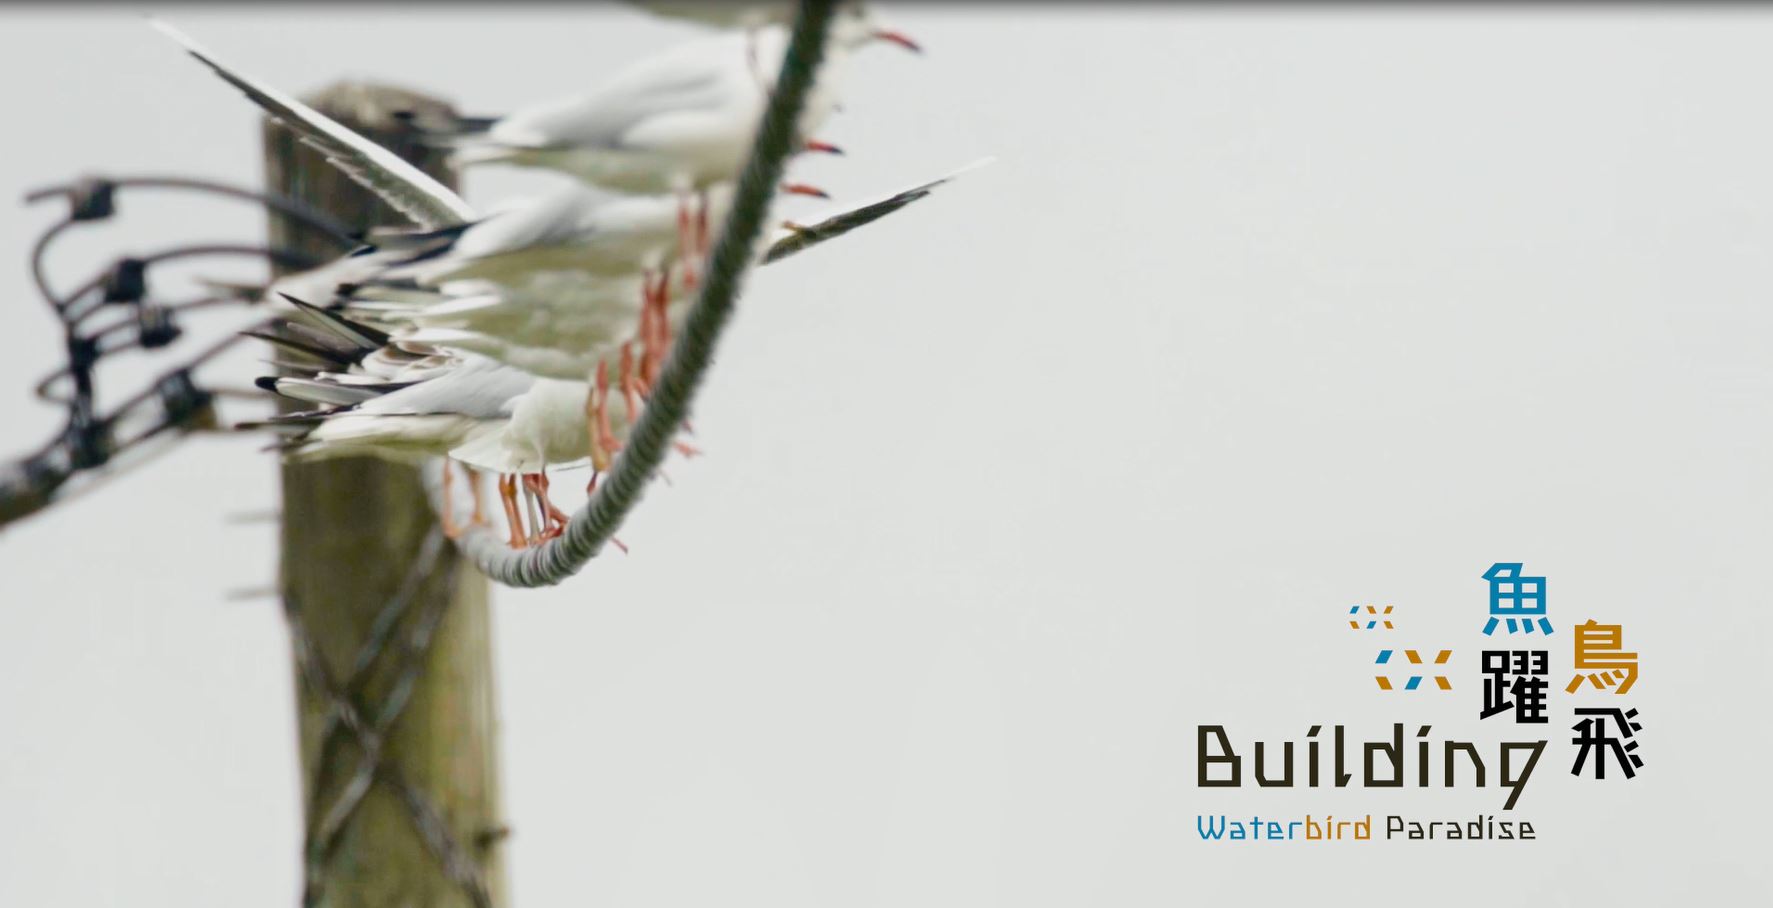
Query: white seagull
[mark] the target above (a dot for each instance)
(540, 304)
(379, 399)
(678, 122)
(395, 365)
(674, 122)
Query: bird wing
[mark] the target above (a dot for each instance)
(695, 77)
(409, 190)
(556, 220)
(790, 241)
(479, 388)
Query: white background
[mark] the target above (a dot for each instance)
(1259, 315)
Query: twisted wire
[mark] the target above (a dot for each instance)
(91, 445)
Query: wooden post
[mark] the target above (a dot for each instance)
(352, 530)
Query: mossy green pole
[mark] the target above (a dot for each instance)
(355, 532)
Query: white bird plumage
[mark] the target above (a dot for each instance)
(676, 121)
(482, 330)
(408, 189)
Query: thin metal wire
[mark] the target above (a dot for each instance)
(280, 256)
(307, 216)
(90, 443)
(669, 404)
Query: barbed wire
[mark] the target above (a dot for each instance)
(667, 407)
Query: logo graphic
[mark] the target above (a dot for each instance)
(1377, 617)
(1515, 681)
(1528, 669)
(1591, 733)
(1602, 646)
(1516, 598)
(1414, 681)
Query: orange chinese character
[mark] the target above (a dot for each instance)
(1601, 646)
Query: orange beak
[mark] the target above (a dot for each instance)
(899, 38)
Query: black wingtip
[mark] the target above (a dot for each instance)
(372, 336)
(266, 382)
(318, 311)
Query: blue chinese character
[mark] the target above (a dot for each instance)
(1517, 598)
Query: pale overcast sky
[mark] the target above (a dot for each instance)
(1259, 314)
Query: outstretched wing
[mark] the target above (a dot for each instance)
(791, 240)
(410, 191)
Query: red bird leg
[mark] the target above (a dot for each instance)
(686, 240)
(703, 240)
(603, 440)
(508, 497)
(446, 516)
(649, 351)
(479, 518)
(661, 332)
(531, 511)
(630, 383)
(662, 325)
(652, 345)
(818, 147)
(554, 520)
(605, 433)
(561, 518)
(593, 406)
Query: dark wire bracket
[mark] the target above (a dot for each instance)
(175, 401)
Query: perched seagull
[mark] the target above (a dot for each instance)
(560, 321)
(587, 229)
(403, 421)
(462, 238)
(362, 377)
(426, 202)
(545, 429)
(682, 120)
(580, 272)
(483, 413)
(556, 324)
(677, 123)
(581, 228)
(382, 400)
(382, 372)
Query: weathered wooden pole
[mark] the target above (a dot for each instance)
(395, 689)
